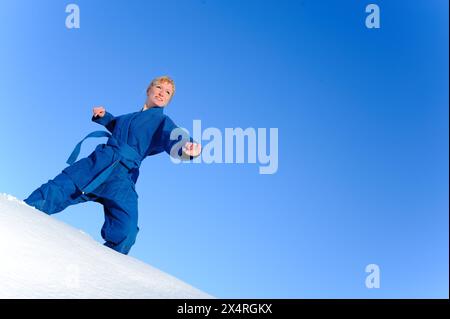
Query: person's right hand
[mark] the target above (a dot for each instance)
(99, 111)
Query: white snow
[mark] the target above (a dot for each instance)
(42, 257)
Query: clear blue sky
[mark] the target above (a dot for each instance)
(362, 116)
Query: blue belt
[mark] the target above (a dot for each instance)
(128, 157)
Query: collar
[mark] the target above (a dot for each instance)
(158, 109)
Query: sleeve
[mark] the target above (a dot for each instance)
(108, 120)
(173, 139)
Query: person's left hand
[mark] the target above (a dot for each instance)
(192, 149)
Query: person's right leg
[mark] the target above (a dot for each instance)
(55, 195)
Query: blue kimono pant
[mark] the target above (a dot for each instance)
(119, 200)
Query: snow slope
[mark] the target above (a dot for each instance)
(42, 257)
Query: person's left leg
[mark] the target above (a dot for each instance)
(121, 224)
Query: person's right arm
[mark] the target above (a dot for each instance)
(104, 118)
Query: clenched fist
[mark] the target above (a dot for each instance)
(99, 111)
(192, 149)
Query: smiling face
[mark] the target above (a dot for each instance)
(159, 94)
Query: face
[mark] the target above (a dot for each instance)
(159, 94)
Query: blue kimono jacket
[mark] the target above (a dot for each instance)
(132, 138)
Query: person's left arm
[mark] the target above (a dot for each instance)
(177, 143)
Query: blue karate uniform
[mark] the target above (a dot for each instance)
(108, 175)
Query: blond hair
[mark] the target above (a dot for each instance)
(162, 79)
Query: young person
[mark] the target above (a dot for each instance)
(108, 175)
